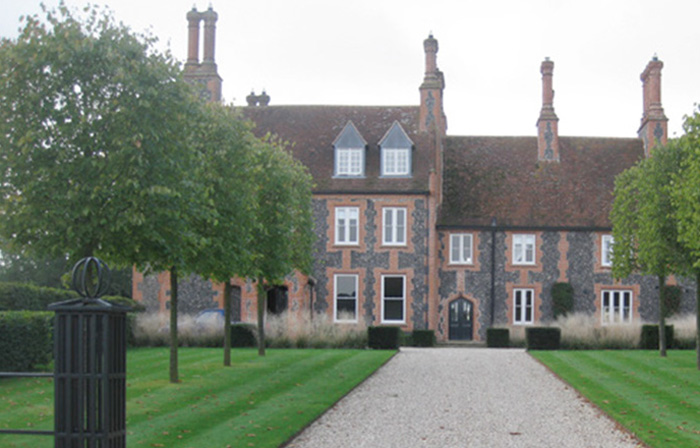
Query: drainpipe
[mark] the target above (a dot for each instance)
(494, 223)
(311, 281)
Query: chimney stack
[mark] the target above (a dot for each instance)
(547, 123)
(203, 73)
(193, 19)
(210, 18)
(654, 128)
(431, 111)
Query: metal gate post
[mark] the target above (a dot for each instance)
(90, 364)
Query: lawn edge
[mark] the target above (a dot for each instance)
(585, 399)
(303, 428)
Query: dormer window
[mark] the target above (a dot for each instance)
(396, 152)
(349, 150)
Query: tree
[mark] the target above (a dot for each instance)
(282, 234)
(95, 128)
(644, 228)
(685, 194)
(226, 143)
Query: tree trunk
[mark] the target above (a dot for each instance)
(173, 326)
(262, 305)
(227, 323)
(662, 316)
(697, 317)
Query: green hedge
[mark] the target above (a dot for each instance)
(498, 337)
(383, 337)
(650, 337)
(543, 338)
(25, 297)
(423, 338)
(26, 340)
(244, 335)
(562, 299)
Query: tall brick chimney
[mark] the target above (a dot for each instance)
(193, 19)
(654, 128)
(210, 18)
(203, 74)
(431, 111)
(547, 123)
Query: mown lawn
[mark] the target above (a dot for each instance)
(258, 402)
(658, 399)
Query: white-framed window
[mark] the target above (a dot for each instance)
(393, 299)
(396, 162)
(523, 249)
(345, 288)
(606, 245)
(461, 248)
(347, 225)
(349, 161)
(616, 306)
(523, 306)
(394, 226)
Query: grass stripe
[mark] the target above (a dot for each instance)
(655, 398)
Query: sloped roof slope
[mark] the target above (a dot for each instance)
(311, 131)
(500, 177)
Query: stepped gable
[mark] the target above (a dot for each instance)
(501, 177)
(312, 130)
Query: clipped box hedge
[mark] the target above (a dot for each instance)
(243, 335)
(384, 338)
(423, 338)
(543, 338)
(650, 337)
(26, 340)
(25, 297)
(498, 337)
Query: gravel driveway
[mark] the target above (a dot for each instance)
(463, 397)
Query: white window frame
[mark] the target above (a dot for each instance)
(344, 217)
(396, 161)
(622, 313)
(461, 248)
(395, 299)
(336, 297)
(521, 243)
(606, 247)
(392, 233)
(349, 162)
(527, 301)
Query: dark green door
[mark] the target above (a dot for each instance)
(461, 316)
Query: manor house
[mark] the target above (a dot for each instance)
(424, 230)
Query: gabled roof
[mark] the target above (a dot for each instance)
(396, 137)
(312, 131)
(500, 177)
(350, 138)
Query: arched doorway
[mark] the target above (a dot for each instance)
(461, 320)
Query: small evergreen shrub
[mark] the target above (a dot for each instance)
(672, 299)
(497, 337)
(26, 340)
(543, 338)
(562, 299)
(21, 296)
(243, 335)
(650, 337)
(386, 338)
(423, 338)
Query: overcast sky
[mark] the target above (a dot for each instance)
(370, 52)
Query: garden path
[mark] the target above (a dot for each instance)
(463, 397)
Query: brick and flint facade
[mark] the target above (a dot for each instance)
(420, 229)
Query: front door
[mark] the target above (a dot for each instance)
(461, 314)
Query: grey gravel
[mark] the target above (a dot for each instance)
(463, 397)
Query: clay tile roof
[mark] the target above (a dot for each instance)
(500, 177)
(312, 130)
